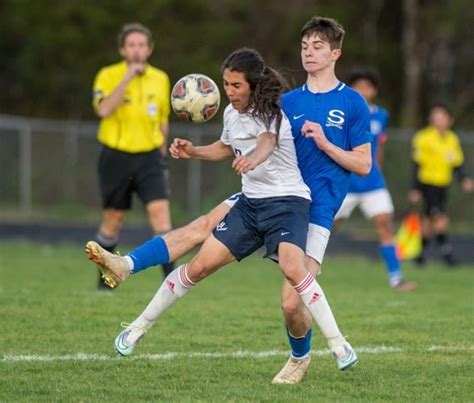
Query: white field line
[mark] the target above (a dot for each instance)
(234, 354)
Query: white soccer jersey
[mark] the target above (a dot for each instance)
(279, 174)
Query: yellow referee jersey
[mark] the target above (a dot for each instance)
(437, 155)
(135, 125)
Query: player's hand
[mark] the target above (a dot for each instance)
(315, 131)
(243, 164)
(414, 196)
(181, 149)
(467, 185)
(135, 69)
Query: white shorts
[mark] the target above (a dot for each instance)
(371, 203)
(318, 238)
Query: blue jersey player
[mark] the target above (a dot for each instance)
(334, 121)
(370, 193)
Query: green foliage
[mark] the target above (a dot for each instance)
(50, 308)
(52, 49)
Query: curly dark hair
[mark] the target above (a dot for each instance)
(364, 73)
(266, 84)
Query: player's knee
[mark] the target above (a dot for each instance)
(201, 228)
(292, 306)
(385, 227)
(440, 223)
(197, 271)
(292, 269)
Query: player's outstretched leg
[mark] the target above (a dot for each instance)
(158, 250)
(210, 258)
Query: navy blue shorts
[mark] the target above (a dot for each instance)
(252, 223)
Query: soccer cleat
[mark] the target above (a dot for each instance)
(128, 339)
(114, 268)
(345, 356)
(405, 286)
(293, 371)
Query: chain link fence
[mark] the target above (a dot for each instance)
(49, 171)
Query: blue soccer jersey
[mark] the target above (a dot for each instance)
(375, 179)
(344, 117)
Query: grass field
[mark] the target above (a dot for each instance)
(225, 340)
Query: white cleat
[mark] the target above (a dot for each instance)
(128, 339)
(293, 371)
(345, 356)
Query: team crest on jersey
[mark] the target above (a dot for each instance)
(335, 118)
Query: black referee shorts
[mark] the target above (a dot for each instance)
(121, 174)
(434, 198)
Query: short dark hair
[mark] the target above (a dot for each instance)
(327, 28)
(130, 28)
(441, 105)
(364, 73)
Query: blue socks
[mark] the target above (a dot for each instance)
(392, 264)
(300, 346)
(151, 253)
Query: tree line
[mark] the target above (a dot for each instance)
(50, 50)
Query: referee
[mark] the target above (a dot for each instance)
(132, 99)
(437, 155)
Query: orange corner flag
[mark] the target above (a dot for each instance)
(408, 237)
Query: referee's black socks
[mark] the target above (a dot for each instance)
(446, 248)
(167, 268)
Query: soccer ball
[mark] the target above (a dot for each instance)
(195, 98)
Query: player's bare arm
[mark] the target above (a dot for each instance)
(165, 129)
(467, 185)
(358, 160)
(109, 104)
(184, 149)
(266, 143)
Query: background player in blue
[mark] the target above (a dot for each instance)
(370, 193)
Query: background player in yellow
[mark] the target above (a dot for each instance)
(132, 99)
(437, 155)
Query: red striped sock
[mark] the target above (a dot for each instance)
(314, 299)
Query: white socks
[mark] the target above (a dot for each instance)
(175, 286)
(314, 299)
(129, 260)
